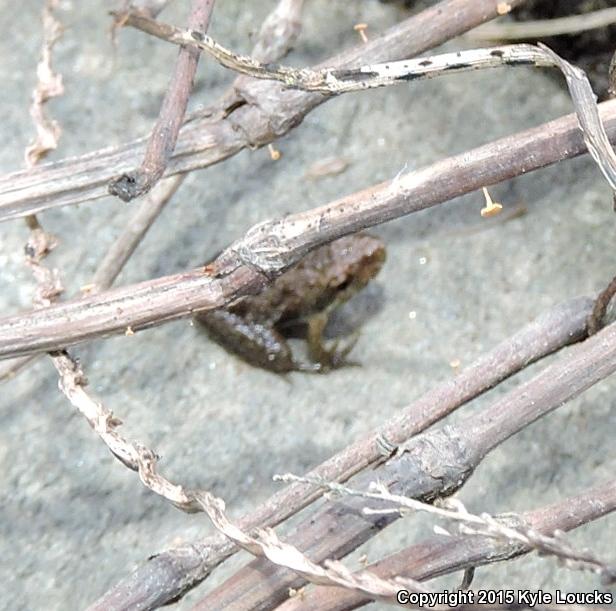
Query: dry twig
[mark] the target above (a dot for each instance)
(165, 133)
(243, 252)
(430, 465)
(72, 381)
(334, 81)
(118, 254)
(138, 225)
(267, 113)
(484, 524)
(533, 30)
(442, 555)
(49, 85)
(276, 37)
(272, 246)
(182, 567)
(266, 543)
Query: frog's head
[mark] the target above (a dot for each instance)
(358, 258)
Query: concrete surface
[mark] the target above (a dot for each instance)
(72, 519)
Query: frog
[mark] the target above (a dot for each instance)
(255, 327)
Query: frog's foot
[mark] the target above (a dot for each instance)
(328, 354)
(307, 367)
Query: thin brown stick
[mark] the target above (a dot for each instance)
(165, 133)
(72, 381)
(132, 454)
(210, 138)
(272, 246)
(334, 81)
(118, 254)
(138, 225)
(533, 30)
(443, 555)
(278, 34)
(169, 573)
(431, 465)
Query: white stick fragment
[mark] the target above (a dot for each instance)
(266, 543)
(334, 81)
(508, 527)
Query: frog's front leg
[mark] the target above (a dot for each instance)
(329, 354)
(257, 344)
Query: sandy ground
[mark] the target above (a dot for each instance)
(72, 519)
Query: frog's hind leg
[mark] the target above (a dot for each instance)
(256, 344)
(329, 354)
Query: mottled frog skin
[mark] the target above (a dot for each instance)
(307, 293)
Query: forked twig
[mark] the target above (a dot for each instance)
(186, 565)
(278, 34)
(165, 133)
(334, 81)
(274, 245)
(215, 136)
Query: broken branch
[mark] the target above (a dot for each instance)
(274, 245)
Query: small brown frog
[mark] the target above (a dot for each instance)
(307, 293)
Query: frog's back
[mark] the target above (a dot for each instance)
(328, 274)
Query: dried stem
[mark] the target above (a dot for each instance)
(278, 34)
(443, 555)
(533, 30)
(334, 81)
(183, 567)
(484, 524)
(132, 454)
(72, 382)
(274, 245)
(431, 465)
(138, 225)
(266, 544)
(165, 133)
(268, 113)
(49, 85)
(118, 254)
